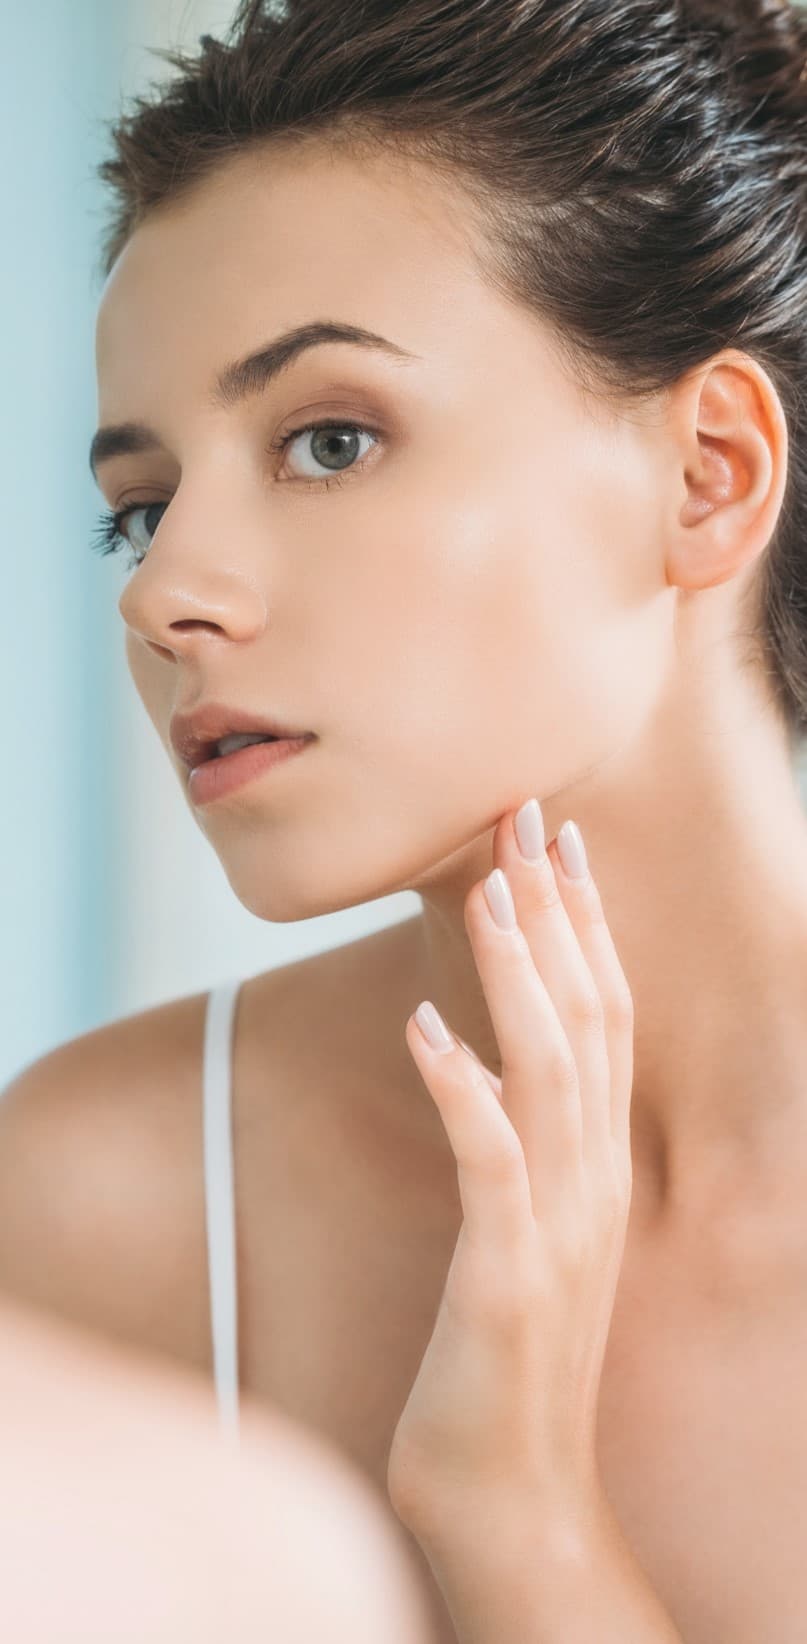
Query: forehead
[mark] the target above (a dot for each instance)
(275, 237)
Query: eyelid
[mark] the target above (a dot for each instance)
(115, 520)
(338, 420)
(322, 481)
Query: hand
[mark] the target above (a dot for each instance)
(505, 1399)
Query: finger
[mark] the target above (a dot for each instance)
(584, 906)
(491, 1169)
(539, 1078)
(493, 1078)
(561, 961)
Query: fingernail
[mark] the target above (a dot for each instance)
(530, 831)
(500, 900)
(433, 1027)
(572, 851)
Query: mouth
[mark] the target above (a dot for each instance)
(233, 743)
(242, 759)
(215, 732)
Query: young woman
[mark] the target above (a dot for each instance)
(452, 368)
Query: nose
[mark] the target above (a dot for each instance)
(174, 599)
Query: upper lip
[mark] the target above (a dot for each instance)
(194, 736)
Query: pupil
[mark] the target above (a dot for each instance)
(331, 445)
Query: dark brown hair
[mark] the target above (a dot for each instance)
(639, 166)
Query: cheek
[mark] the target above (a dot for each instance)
(512, 648)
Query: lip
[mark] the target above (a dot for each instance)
(217, 778)
(193, 736)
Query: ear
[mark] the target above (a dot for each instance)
(732, 449)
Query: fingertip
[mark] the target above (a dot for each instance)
(433, 1028)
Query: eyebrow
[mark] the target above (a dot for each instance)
(242, 379)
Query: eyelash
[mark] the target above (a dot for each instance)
(108, 538)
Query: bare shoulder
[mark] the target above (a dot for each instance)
(101, 1183)
(102, 1209)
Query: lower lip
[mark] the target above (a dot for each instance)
(218, 777)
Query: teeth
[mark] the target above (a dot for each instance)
(228, 744)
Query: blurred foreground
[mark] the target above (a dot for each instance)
(127, 1515)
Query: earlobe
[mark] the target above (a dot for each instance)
(734, 437)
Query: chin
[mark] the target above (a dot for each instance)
(280, 898)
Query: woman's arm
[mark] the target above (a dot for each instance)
(522, 1579)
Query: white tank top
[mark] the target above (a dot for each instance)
(220, 1197)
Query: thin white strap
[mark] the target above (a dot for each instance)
(220, 1198)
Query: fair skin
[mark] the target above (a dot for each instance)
(580, 646)
(622, 703)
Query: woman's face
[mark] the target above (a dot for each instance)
(467, 613)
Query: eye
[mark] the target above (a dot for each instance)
(333, 447)
(110, 534)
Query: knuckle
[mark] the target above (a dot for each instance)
(562, 1067)
(586, 1008)
(544, 886)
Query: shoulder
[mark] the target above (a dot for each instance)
(101, 1187)
(102, 1190)
(102, 1206)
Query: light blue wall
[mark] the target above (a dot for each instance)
(57, 958)
(110, 898)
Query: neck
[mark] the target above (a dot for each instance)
(701, 861)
